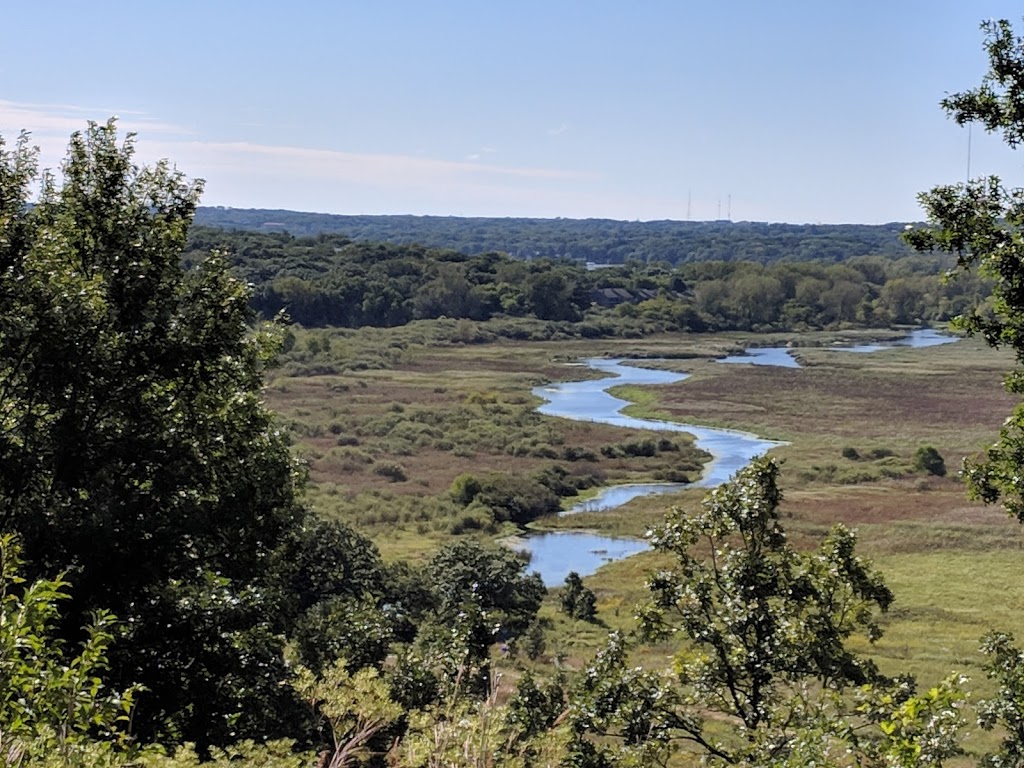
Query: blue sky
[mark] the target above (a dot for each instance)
(769, 111)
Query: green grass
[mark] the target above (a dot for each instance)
(952, 564)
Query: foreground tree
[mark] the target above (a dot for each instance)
(134, 449)
(55, 707)
(577, 600)
(981, 222)
(136, 453)
(764, 632)
(481, 595)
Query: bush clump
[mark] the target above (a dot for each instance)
(517, 499)
(392, 470)
(578, 601)
(465, 488)
(929, 460)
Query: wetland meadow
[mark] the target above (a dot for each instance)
(845, 428)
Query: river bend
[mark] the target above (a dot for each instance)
(554, 554)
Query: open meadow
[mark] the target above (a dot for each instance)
(389, 419)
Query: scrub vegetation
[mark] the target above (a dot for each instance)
(242, 542)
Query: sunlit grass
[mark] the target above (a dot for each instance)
(951, 563)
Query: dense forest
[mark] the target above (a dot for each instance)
(602, 241)
(329, 280)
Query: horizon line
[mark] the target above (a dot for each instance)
(892, 222)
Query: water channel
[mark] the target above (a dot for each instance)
(783, 356)
(554, 554)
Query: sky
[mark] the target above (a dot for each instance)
(792, 110)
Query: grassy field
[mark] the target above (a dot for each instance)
(431, 410)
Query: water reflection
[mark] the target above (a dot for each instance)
(554, 554)
(777, 356)
(590, 401)
(782, 357)
(923, 337)
(616, 495)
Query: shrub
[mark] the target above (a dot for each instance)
(578, 601)
(465, 488)
(350, 454)
(671, 476)
(517, 499)
(646, 447)
(56, 709)
(534, 643)
(929, 460)
(557, 480)
(574, 453)
(850, 453)
(392, 470)
(475, 519)
(543, 451)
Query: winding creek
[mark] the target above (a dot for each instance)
(554, 554)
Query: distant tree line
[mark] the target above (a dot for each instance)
(598, 240)
(329, 280)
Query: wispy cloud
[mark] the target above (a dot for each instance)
(244, 175)
(559, 130)
(251, 174)
(477, 154)
(348, 166)
(50, 125)
(64, 119)
(157, 138)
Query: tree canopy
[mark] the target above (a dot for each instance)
(136, 454)
(329, 280)
(981, 223)
(764, 632)
(598, 240)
